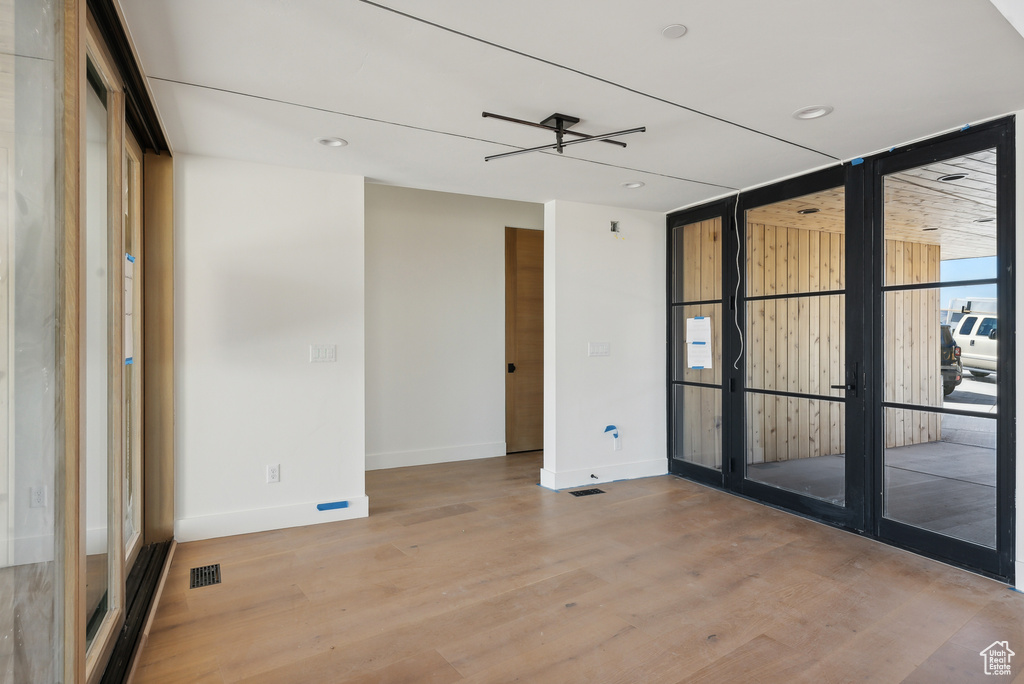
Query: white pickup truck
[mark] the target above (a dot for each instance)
(976, 335)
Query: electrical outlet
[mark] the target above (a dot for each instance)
(274, 473)
(37, 497)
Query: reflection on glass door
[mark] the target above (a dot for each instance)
(796, 331)
(697, 338)
(132, 392)
(97, 325)
(940, 348)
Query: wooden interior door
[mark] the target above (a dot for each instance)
(524, 340)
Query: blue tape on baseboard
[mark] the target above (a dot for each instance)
(129, 257)
(858, 160)
(697, 367)
(128, 361)
(698, 343)
(966, 126)
(332, 505)
(698, 318)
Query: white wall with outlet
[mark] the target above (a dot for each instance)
(604, 344)
(268, 263)
(435, 324)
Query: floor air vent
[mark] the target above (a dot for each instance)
(205, 575)
(587, 492)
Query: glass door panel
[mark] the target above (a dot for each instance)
(696, 360)
(132, 392)
(97, 326)
(940, 321)
(796, 345)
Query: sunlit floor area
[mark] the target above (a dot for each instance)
(470, 572)
(946, 486)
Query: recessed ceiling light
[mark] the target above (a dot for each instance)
(952, 177)
(984, 220)
(633, 185)
(812, 112)
(674, 31)
(332, 142)
(810, 210)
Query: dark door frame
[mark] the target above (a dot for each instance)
(998, 135)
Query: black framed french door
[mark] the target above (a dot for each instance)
(803, 399)
(944, 450)
(809, 364)
(758, 391)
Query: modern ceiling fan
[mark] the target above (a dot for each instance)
(560, 124)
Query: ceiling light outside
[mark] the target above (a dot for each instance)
(328, 141)
(633, 185)
(810, 210)
(949, 178)
(812, 112)
(673, 31)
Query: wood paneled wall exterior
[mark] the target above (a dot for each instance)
(797, 343)
(698, 278)
(911, 357)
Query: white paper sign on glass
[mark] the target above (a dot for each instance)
(698, 343)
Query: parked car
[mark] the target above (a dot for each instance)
(976, 334)
(952, 370)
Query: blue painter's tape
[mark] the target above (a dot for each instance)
(332, 505)
(128, 361)
(698, 343)
(892, 149)
(966, 126)
(698, 367)
(129, 257)
(857, 161)
(698, 318)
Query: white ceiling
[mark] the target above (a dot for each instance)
(406, 81)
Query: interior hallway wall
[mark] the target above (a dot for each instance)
(268, 261)
(435, 324)
(603, 288)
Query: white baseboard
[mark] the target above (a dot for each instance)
(401, 459)
(1018, 576)
(28, 550)
(263, 519)
(609, 473)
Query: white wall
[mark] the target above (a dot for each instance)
(435, 324)
(268, 260)
(603, 288)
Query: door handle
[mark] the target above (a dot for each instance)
(851, 380)
(511, 368)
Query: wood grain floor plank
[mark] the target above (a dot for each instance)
(470, 571)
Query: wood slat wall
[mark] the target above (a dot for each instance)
(912, 345)
(698, 278)
(797, 344)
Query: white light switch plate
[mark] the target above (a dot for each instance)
(598, 349)
(323, 353)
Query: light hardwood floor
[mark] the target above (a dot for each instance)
(471, 572)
